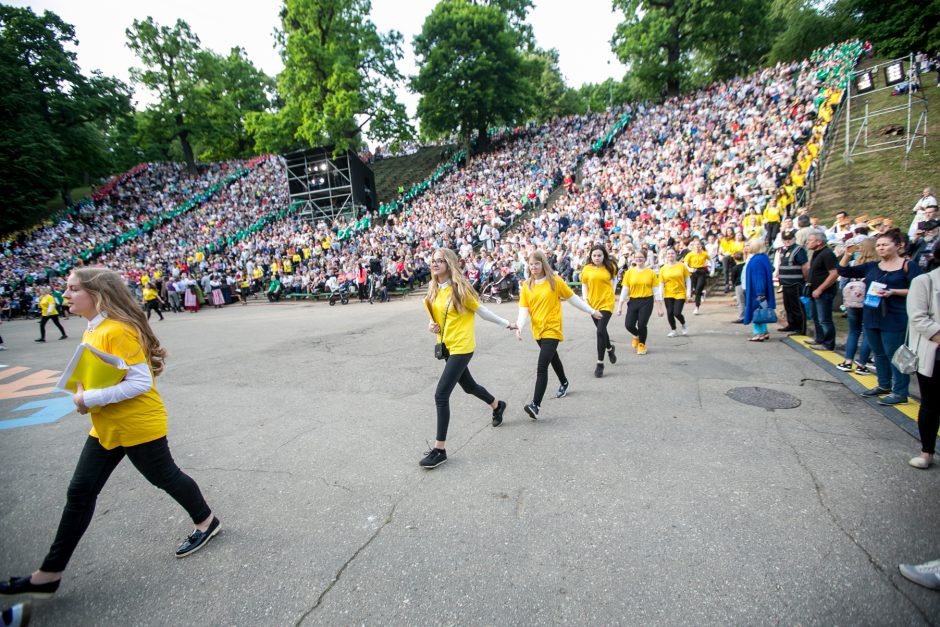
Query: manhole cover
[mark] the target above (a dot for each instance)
(763, 397)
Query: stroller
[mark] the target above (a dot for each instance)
(342, 293)
(498, 290)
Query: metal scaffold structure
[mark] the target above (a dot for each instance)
(860, 137)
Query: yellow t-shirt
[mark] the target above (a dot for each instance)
(288, 267)
(458, 327)
(200, 256)
(694, 260)
(47, 305)
(673, 280)
(134, 421)
(640, 282)
(771, 214)
(544, 306)
(736, 247)
(149, 294)
(257, 273)
(600, 287)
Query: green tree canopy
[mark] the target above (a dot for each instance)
(671, 45)
(54, 121)
(339, 77)
(472, 75)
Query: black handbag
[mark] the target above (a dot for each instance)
(440, 350)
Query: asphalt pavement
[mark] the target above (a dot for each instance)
(649, 496)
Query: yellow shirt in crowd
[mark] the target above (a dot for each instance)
(695, 260)
(600, 287)
(47, 305)
(544, 306)
(640, 282)
(134, 421)
(673, 280)
(458, 327)
(149, 294)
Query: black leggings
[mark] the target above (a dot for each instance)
(699, 277)
(928, 418)
(674, 311)
(55, 321)
(455, 371)
(603, 338)
(151, 306)
(95, 465)
(639, 311)
(548, 354)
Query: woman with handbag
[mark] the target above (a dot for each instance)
(923, 313)
(884, 312)
(451, 303)
(853, 296)
(759, 303)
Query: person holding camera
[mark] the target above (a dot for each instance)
(924, 238)
(884, 312)
(451, 303)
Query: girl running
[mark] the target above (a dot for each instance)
(641, 288)
(451, 302)
(540, 301)
(676, 285)
(128, 419)
(597, 288)
(697, 259)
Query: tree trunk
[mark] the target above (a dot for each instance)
(66, 195)
(183, 134)
(672, 62)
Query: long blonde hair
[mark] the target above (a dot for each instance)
(866, 251)
(547, 271)
(111, 296)
(461, 290)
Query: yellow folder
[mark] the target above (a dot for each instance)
(93, 368)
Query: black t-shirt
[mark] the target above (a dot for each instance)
(824, 261)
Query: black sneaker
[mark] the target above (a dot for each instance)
(845, 366)
(434, 458)
(533, 410)
(611, 355)
(17, 616)
(198, 539)
(498, 413)
(599, 370)
(39, 340)
(863, 370)
(22, 585)
(562, 390)
(64, 337)
(876, 391)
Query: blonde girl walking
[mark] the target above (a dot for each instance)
(128, 420)
(451, 303)
(540, 301)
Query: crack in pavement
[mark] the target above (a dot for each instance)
(835, 520)
(251, 470)
(334, 485)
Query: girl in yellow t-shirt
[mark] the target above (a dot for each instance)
(128, 419)
(697, 259)
(451, 303)
(152, 300)
(49, 311)
(641, 288)
(540, 300)
(676, 281)
(597, 288)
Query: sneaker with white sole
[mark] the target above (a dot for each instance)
(671, 333)
(434, 458)
(921, 462)
(845, 366)
(695, 311)
(926, 574)
(685, 330)
(532, 410)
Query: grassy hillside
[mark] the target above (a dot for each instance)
(878, 184)
(405, 171)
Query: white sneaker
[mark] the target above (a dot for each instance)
(3, 348)
(685, 330)
(695, 311)
(671, 334)
(920, 462)
(926, 574)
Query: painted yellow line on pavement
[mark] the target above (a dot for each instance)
(909, 409)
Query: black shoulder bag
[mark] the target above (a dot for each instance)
(440, 350)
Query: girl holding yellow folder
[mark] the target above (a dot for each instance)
(128, 419)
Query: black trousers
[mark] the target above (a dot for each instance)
(603, 338)
(55, 321)
(796, 316)
(674, 311)
(639, 311)
(95, 465)
(548, 354)
(928, 418)
(727, 262)
(151, 306)
(455, 372)
(699, 278)
(771, 229)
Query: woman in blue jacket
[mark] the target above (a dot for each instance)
(758, 287)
